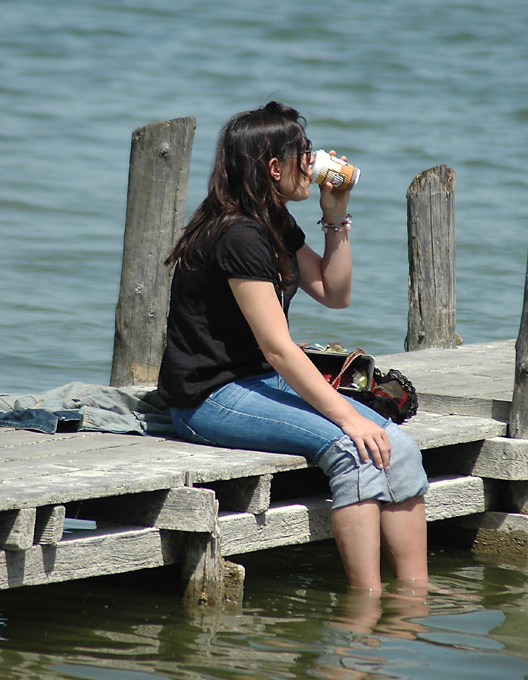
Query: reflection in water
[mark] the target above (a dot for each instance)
(298, 620)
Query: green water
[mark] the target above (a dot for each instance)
(298, 620)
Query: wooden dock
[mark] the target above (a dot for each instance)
(158, 501)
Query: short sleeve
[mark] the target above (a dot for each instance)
(244, 252)
(296, 235)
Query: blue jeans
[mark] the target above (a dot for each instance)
(263, 413)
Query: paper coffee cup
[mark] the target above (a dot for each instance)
(327, 168)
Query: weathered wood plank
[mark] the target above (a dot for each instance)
(59, 449)
(432, 430)
(17, 529)
(519, 411)
(431, 236)
(202, 570)
(9, 437)
(95, 483)
(480, 373)
(95, 554)
(49, 525)
(283, 524)
(160, 160)
(453, 496)
(147, 466)
(208, 463)
(502, 458)
(179, 509)
(247, 494)
(495, 409)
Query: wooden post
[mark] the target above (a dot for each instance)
(431, 234)
(519, 410)
(160, 159)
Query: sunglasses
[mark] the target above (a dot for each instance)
(307, 150)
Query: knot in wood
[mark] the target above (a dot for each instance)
(153, 311)
(139, 289)
(164, 149)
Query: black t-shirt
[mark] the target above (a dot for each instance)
(209, 342)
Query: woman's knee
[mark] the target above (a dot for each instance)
(352, 480)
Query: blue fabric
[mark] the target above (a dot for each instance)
(81, 407)
(263, 413)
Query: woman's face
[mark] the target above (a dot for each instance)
(294, 184)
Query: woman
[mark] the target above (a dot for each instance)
(231, 372)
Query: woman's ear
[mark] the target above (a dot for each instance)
(275, 169)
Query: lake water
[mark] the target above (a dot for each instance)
(398, 86)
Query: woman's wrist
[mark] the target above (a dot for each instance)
(342, 225)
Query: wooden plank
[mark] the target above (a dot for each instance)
(9, 438)
(17, 529)
(432, 430)
(496, 409)
(94, 554)
(145, 466)
(202, 569)
(454, 496)
(207, 463)
(95, 483)
(303, 521)
(519, 412)
(179, 509)
(160, 160)
(247, 494)
(482, 372)
(431, 238)
(234, 576)
(502, 458)
(66, 450)
(49, 525)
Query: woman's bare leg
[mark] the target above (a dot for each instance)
(404, 539)
(357, 533)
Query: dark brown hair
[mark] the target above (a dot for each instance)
(240, 184)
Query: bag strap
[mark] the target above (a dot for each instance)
(350, 358)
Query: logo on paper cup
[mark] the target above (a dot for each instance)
(327, 168)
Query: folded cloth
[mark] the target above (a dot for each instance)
(78, 407)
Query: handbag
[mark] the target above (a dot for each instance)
(355, 375)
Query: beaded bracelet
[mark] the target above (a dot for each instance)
(344, 226)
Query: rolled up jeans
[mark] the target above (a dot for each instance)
(263, 413)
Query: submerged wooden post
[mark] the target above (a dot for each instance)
(431, 235)
(160, 159)
(519, 410)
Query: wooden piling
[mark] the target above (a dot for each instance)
(160, 160)
(519, 409)
(431, 237)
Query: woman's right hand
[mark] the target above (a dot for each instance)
(367, 436)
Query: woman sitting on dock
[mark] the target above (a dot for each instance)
(234, 377)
